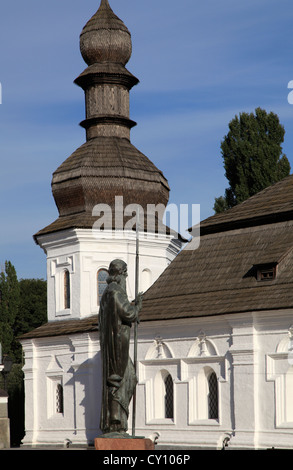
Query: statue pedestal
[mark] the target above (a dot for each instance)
(106, 443)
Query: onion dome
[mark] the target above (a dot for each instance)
(105, 38)
(98, 172)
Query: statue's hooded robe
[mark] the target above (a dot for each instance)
(119, 379)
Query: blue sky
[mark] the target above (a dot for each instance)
(199, 63)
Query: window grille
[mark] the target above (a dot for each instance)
(102, 283)
(169, 399)
(59, 398)
(66, 289)
(213, 396)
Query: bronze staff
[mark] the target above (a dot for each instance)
(135, 325)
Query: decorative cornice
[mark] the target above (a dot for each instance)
(107, 120)
(89, 78)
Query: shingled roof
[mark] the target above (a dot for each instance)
(98, 171)
(220, 277)
(273, 204)
(63, 328)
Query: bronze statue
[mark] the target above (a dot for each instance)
(119, 378)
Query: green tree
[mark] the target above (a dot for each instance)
(23, 307)
(253, 156)
(9, 304)
(32, 311)
(33, 304)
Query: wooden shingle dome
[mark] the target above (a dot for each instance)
(105, 38)
(103, 168)
(107, 164)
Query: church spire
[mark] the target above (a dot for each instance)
(107, 164)
(105, 45)
(104, 4)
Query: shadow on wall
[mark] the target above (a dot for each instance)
(87, 393)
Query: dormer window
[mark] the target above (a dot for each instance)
(266, 272)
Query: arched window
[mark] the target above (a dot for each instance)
(66, 289)
(169, 397)
(101, 283)
(163, 395)
(59, 398)
(213, 396)
(205, 404)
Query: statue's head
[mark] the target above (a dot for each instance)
(117, 270)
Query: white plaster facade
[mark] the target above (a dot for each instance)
(84, 252)
(250, 354)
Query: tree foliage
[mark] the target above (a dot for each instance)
(253, 156)
(32, 311)
(9, 305)
(23, 307)
(33, 305)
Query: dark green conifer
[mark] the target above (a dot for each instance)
(253, 156)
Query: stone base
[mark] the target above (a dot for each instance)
(105, 443)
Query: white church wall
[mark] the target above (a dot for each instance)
(83, 254)
(248, 353)
(274, 340)
(74, 363)
(254, 385)
(173, 347)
